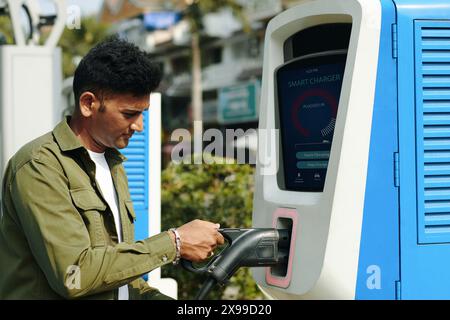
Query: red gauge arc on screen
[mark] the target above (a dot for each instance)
(325, 96)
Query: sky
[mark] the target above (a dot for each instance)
(87, 6)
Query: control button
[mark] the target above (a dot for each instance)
(312, 155)
(312, 165)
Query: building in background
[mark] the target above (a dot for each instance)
(231, 60)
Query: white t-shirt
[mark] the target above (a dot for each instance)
(106, 185)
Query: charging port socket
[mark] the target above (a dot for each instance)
(284, 225)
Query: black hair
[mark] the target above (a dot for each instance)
(116, 66)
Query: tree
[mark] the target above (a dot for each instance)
(76, 43)
(195, 11)
(213, 192)
(6, 30)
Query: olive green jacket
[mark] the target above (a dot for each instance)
(57, 233)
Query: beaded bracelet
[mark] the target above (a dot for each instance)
(177, 245)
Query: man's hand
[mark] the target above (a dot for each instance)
(199, 239)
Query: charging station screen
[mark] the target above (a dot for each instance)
(308, 99)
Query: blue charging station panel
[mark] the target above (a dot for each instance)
(380, 230)
(424, 111)
(408, 203)
(136, 168)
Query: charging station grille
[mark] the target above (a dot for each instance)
(136, 168)
(432, 53)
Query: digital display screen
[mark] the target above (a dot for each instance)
(308, 92)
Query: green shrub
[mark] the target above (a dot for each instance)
(221, 193)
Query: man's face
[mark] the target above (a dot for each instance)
(115, 119)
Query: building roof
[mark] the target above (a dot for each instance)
(118, 10)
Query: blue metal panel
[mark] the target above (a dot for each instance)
(378, 270)
(424, 267)
(433, 130)
(137, 172)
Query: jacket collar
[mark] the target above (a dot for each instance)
(67, 141)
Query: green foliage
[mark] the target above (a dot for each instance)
(221, 193)
(76, 43)
(6, 29)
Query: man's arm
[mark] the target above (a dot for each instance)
(60, 242)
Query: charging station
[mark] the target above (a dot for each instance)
(358, 92)
(30, 77)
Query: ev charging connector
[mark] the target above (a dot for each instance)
(262, 247)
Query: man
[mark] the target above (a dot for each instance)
(67, 226)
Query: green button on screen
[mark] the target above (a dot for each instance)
(313, 155)
(312, 164)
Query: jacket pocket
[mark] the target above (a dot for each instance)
(90, 206)
(87, 199)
